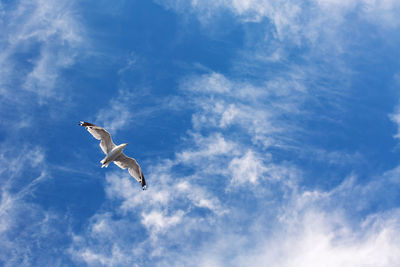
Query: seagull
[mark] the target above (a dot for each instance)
(114, 153)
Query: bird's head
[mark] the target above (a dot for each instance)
(122, 146)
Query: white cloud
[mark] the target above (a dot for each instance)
(311, 228)
(247, 169)
(322, 26)
(322, 229)
(157, 221)
(104, 242)
(395, 117)
(130, 108)
(320, 240)
(164, 215)
(166, 190)
(264, 114)
(15, 163)
(127, 190)
(49, 36)
(304, 232)
(92, 258)
(206, 148)
(118, 113)
(200, 197)
(207, 83)
(285, 14)
(382, 13)
(38, 41)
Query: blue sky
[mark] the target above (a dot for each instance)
(268, 133)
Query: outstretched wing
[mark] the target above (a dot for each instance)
(99, 133)
(134, 169)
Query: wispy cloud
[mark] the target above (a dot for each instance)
(285, 14)
(309, 228)
(319, 228)
(395, 117)
(25, 227)
(39, 40)
(118, 113)
(318, 239)
(258, 110)
(247, 169)
(159, 217)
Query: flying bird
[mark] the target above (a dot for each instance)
(114, 153)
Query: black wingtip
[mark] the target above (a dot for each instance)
(144, 186)
(84, 124)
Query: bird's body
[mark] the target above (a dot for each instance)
(112, 155)
(115, 153)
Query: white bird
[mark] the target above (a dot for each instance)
(114, 153)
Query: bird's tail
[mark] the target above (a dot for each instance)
(104, 163)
